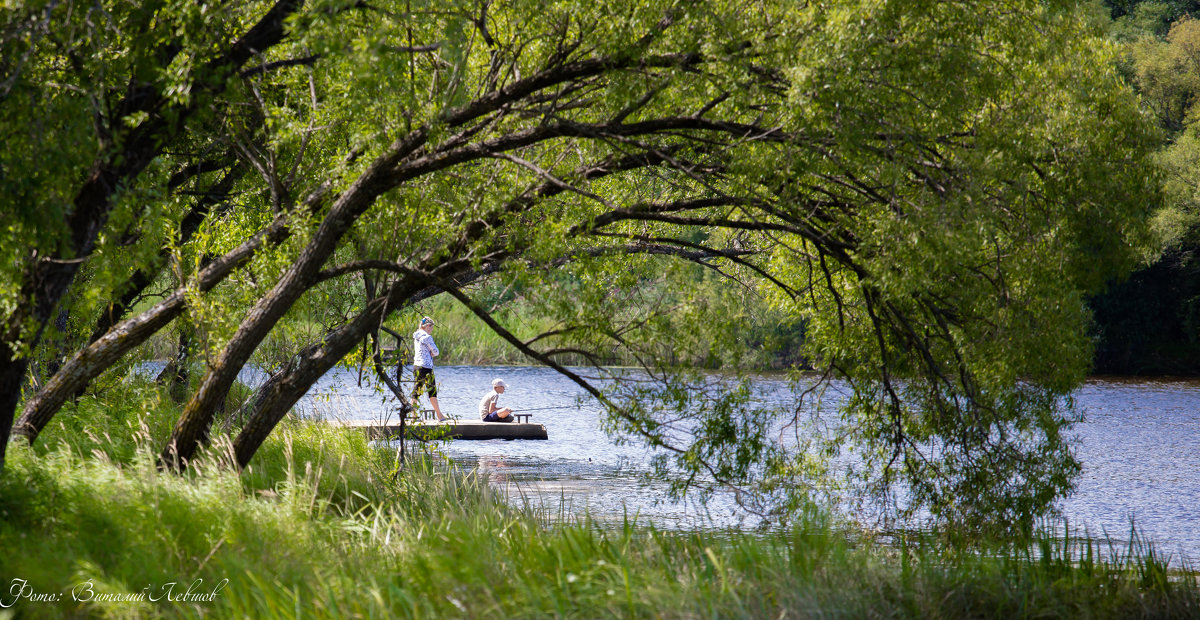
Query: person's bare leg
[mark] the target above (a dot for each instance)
(437, 410)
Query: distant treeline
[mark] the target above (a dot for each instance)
(723, 330)
(1149, 324)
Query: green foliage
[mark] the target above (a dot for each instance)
(64, 72)
(1166, 71)
(985, 193)
(1138, 20)
(1170, 9)
(1168, 77)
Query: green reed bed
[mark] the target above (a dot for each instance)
(463, 338)
(318, 527)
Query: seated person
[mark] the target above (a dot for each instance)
(488, 410)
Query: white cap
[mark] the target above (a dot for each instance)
(499, 383)
(427, 321)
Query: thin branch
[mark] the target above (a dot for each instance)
(267, 67)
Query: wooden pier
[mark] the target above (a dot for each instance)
(450, 429)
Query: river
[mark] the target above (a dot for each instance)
(1139, 445)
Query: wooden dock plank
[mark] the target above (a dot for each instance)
(460, 429)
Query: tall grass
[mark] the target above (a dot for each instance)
(319, 526)
(463, 338)
(120, 415)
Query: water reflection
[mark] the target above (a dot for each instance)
(498, 470)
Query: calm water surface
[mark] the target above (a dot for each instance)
(1139, 445)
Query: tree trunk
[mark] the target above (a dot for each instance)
(90, 361)
(46, 280)
(177, 371)
(275, 398)
(193, 427)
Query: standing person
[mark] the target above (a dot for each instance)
(489, 410)
(424, 350)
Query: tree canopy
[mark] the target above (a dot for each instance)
(929, 189)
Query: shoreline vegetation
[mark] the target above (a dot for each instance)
(322, 525)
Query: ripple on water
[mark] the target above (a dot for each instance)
(1139, 444)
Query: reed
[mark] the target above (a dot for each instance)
(464, 339)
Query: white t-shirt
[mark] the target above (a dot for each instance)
(485, 405)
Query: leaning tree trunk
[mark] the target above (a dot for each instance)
(48, 279)
(95, 358)
(194, 425)
(275, 398)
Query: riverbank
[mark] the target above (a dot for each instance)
(318, 527)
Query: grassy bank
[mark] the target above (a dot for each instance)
(318, 527)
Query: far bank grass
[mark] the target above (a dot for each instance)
(318, 527)
(762, 343)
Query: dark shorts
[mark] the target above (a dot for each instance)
(493, 417)
(425, 382)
